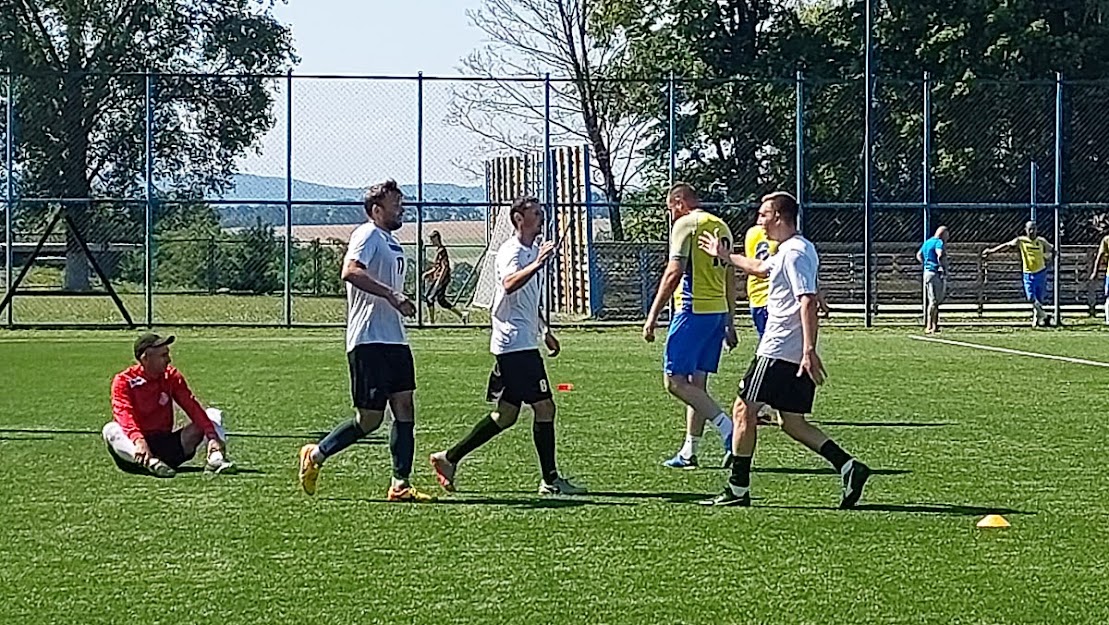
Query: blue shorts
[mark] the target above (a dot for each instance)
(759, 316)
(1035, 286)
(694, 342)
(1107, 286)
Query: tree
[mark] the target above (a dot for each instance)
(527, 39)
(80, 97)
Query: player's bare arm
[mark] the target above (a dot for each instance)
(671, 278)
(515, 281)
(730, 337)
(1097, 260)
(714, 246)
(554, 348)
(810, 327)
(1008, 245)
(355, 273)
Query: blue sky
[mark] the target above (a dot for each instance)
(351, 132)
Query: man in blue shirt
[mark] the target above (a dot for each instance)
(932, 256)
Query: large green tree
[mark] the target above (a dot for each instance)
(79, 97)
(736, 61)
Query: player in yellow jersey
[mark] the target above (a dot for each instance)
(703, 291)
(1102, 254)
(1035, 253)
(757, 245)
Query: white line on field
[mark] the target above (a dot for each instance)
(1015, 352)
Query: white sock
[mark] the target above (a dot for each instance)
(215, 415)
(723, 425)
(119, 442)
(1107, 311)
(1039, 311)
(317, 456)
(399, 483)
(689, 449)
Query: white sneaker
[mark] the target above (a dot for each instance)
(561, 486)
(160, 469)
(217, 463)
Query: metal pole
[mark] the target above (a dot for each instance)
(867, 170)
(547, 181)
(289, 199)
(1058, 208)
(926, 175)
(9, 192)
(1033, 195)
(671, 115)
(799, 165)
(420, 199)
(148, 222)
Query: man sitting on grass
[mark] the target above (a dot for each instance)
(140, 436)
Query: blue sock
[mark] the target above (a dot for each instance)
(402, 446)
(340, 438)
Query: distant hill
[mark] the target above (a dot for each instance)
(346, 210)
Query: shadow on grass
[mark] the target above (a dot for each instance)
(883, 424)
(810, 470)
(525, 504)
(44, 435)
(663, 496)
(915, 508)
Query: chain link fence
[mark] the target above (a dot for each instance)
(135, 199)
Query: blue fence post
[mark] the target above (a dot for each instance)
(148, 205)
(926, 175)
(420, 199)
(9, 193)
(1033, 185)
(596, 287)
(288, 199)
(868, 157)
(799, 163)
(1058, 208)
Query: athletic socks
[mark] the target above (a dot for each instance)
(343, 436)
(402, 445)
(723, 425)
(544, 435)
(689, 448)
(482, 433)
(741, 472)
(834, 453)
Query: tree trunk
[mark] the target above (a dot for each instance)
(74, 174)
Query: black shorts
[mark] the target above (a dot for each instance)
(439, 296)
(775, 382)
(166, 446)
(519, 378)
(378, 371)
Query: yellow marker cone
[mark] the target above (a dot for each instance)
(993, 520)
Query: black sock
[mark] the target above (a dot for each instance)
(482, 433)
(834, 454)
(741, 471)
(544, 434)
(402, 445)
(343, 436)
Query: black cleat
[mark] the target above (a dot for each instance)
(854, 478)
(730, 497)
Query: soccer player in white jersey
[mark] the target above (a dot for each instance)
(519, 376)
(787, 368)
(381, 369)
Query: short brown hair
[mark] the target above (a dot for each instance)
(784, 203)
(681, 189)
(519, 206)
(377, 194)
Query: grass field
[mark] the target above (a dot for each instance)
(955, 433)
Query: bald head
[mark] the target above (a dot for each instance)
(681, 199)
(941, 233)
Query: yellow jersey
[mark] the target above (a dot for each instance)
(703, 289)
(1032, 253)
(757, 245)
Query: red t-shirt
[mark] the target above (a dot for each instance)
(144, 405)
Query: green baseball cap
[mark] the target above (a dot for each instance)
(149, 340)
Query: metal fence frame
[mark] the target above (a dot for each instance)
(868, 203)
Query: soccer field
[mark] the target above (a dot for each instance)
(953, 433)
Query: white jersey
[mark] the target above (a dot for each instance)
(793, 272)
(515, 315)
(372, 319)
